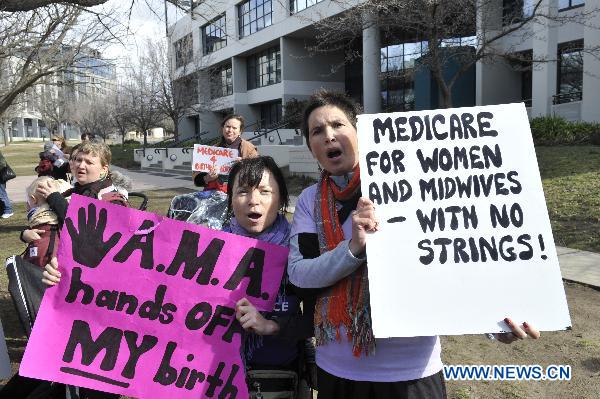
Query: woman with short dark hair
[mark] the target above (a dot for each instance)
(328, 253)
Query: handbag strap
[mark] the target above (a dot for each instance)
(51, 242)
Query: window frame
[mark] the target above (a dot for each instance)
(568, 48)
(224, 75)
(294, 3)
(216, 27)
(253, 22)
(258, 68)
(181, 58)
(570, 6)
(397, 70)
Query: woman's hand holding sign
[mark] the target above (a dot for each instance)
(518, 332)
(252, 320)
(51, 275)
(363, 222)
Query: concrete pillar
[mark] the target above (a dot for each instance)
(21, 128)
(35, 128)
(240, 88)
(544, 73)
(371, 58)
(488, 19)
(590, 109)
(280, 11)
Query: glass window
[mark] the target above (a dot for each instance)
(567, 4)
(254, 15)
(570, 72)
(214, 36)
(270, 114)
(514, 11)
(264, 68)
(299, 5)
(184, 50)
(221, 82)
(398, 68)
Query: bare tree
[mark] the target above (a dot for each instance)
(94, 115)
(175, 96)
(122, 115)
(28, 5)
(56, 106)
(44, 43)
(452, 32)
(142, 93)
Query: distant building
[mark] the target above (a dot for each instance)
(32, 114)
(250, 57)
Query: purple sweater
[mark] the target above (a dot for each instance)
(395, 359)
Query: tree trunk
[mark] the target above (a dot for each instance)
(445, 94)
(5, 133)
(145, 138)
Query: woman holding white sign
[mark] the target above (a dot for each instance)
(328, 253)
(231, 129)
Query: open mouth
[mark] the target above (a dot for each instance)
(333, 153)
(254, 215)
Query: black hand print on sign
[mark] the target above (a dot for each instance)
(88, 245)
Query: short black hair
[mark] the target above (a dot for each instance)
(250, 172)
(335, 99)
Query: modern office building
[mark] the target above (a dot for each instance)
(31, 116)
(251, 57)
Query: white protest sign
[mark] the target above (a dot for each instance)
(5, 370)
(464, 238)
(207, 158)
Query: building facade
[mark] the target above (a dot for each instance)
(46, 107)
(251, 57)
(567, 84)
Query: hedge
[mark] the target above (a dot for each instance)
(553, 130)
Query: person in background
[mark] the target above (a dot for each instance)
(60, 142)
(7, 209)
(231, 131)
(53, 161)
(328, 253)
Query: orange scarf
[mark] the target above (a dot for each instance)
(347, 302)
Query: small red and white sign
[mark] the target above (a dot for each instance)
(208, 158)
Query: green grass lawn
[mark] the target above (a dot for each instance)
(571, 180)
(23, 157)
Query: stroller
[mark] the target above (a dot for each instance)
(205, 208)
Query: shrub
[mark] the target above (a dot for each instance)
(553, 130)
(131, 141)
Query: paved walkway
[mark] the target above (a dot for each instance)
(575, 265)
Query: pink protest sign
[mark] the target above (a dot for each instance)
(146, 305)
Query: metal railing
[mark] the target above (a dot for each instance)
(171, 143)
(261, 132)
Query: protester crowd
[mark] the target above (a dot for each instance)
(322, 338)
